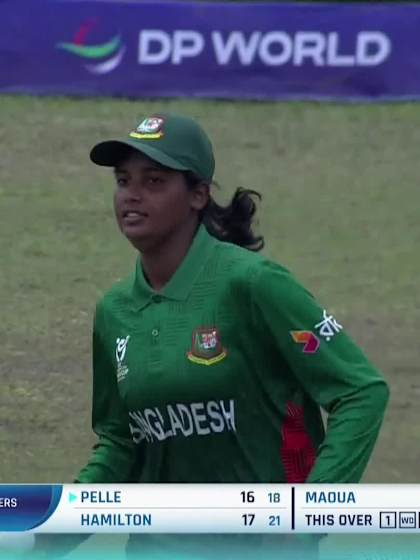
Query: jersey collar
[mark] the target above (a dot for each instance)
(180, 285)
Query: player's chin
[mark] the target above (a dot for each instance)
(136, 229)
(142, 238)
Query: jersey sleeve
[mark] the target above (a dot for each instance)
(115, 457)
(329, 366)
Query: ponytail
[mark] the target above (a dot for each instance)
(232, 223)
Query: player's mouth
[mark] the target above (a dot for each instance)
(133, 217)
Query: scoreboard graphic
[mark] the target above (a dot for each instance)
(210, 508)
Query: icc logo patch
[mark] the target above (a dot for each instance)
(206, 347)
(120, 350)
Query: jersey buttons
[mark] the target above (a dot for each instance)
(155, 332)
(156, 298)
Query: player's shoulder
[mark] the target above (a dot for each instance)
(261, 279)
(234, 258)
(119, 295)
(248, 266)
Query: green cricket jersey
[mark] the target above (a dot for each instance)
(220, 378)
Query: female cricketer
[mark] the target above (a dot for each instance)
(210, 362)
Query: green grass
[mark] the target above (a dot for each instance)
(340, 208)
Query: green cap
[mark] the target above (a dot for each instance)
(175, 141)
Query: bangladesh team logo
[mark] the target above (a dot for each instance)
(149, 128)
(206, 347)
(100, 58)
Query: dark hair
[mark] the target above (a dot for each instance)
(231, 223)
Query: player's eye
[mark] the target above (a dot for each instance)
(155, 180)
(121, 181)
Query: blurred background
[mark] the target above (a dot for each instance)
(312, 104)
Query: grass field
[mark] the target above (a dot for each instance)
(340, 208)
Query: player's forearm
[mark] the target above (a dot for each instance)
(353, 427)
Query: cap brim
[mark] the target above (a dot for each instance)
(111, 152)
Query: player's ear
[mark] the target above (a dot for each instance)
(199, 196)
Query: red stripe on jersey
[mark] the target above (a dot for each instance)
(297, 452)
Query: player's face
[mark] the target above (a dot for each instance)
(151, 202)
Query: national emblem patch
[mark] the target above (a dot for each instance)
(206, 347)
(149, 128)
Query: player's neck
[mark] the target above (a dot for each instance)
(160, 264)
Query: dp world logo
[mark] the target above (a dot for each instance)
(100, 58)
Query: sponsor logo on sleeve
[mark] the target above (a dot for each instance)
(308, 339)
(328, 327)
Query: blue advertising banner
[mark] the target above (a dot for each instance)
(218, 50)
